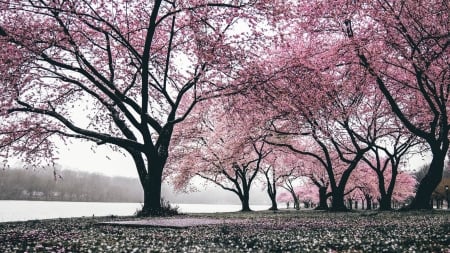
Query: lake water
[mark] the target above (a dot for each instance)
(14, 210)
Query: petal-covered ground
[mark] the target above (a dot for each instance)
(285, 231)
(172, 222)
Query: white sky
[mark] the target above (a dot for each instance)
(80, 156)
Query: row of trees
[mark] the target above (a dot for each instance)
(233, 152)
(18, 184)
(230, 87)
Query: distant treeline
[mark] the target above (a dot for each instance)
(66, 185)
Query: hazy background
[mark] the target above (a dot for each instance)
(72, 185)
(99, 174)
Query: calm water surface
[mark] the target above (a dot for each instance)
(15, 210)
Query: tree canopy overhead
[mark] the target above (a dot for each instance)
(399, 49)
(121, 73)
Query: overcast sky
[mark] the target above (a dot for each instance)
(80, 156)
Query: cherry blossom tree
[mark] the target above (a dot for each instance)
(386, 162)
(289, 183)
(237, 178)
(119, 73)
(272, 170)
(272, 179)
(334, 127)
(364, 185)
(319, 103)
(417, 49)
(404, 47)
(282, 169)
(313, 170)
(222, 149)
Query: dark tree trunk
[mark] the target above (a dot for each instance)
(368, 203)
(246, 207)
(386, 194)
(429, 183)
(245, 203)
(385, 202)
(272, 192)
(337, 203)
(152, 195)
(150, 176)
(245, 197)
(296, 201)
(338, 191)
(297, 204)
(152, 189)
(322, 199)
(274, 206)
(350, 204)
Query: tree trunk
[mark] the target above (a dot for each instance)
(386, 195)
(245, 198)
(296, 201)
(272, 192)
(337, 203)
(245, 207)
(385, 202)
(350, 204)
(152, 192)
(337, 191)
(429, 182)
(322, 199)
(245, 204)
(150, 176)
(274, 206)
(368, 203)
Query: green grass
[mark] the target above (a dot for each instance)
(266, 231)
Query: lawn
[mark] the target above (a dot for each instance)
(265, 231)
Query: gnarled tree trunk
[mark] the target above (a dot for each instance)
(151, 180)
(152, 194)
(422, 200)
(322, 199)
(245, 200)
(368, 202)
(274, 206)
(337, 202)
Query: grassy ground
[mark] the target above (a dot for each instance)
(284, 231)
